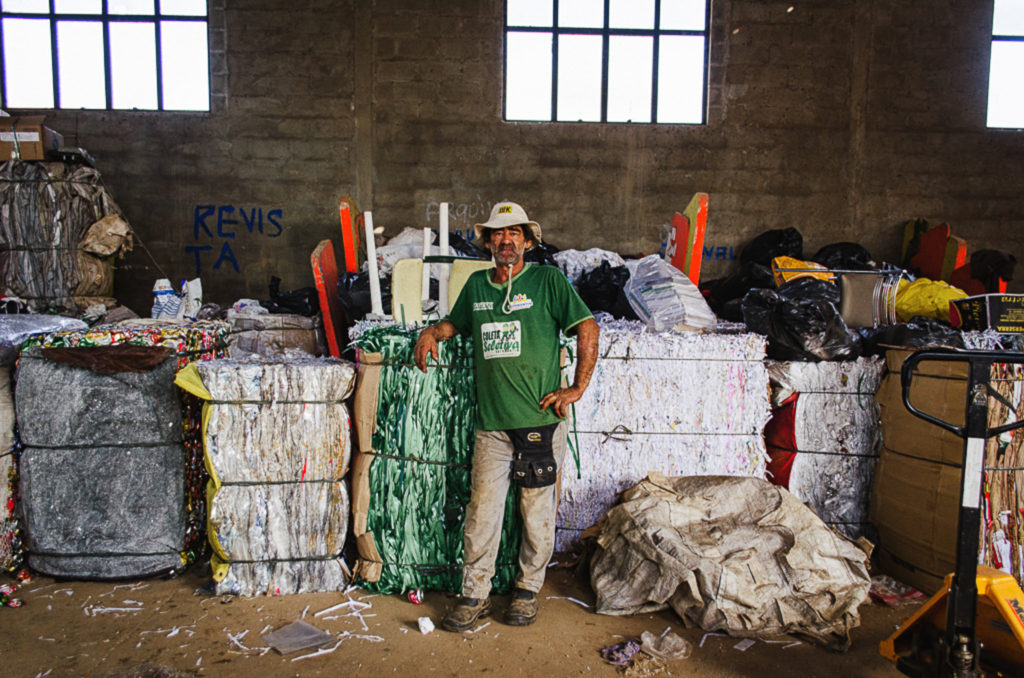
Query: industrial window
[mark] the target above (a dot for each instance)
(641, 61)
(1006, 69)
(105, 54)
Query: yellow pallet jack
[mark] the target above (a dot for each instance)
(974, 626)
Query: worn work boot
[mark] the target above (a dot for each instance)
(522, 611)
(466, 613)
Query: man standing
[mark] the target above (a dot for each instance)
(514, 313)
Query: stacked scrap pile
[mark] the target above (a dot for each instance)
(103, 466)
(274, 334)
(825, 436)
(14, 330)
(47, 211)
(203, 340)
(915, 498)
(682, 404)
(277, 448)
(10, 540)
(1002, 533)
(410, 477)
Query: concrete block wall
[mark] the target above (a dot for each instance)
(842, 119)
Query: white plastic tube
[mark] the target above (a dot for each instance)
(442, 231)
(376, 308)
(425, 281)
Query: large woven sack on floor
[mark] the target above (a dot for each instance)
(730, 554)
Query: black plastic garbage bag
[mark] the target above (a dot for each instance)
(603, 289)
(303, 301)
(845, 256)
(807, 287)
(543, 253)
(989, 266)
(354, 294)
(781, 242)
(724, 294)
(919, 332)
(459, 245)
(801, 321)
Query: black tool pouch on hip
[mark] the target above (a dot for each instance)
(533, 458)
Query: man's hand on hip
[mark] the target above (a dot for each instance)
(561, 399)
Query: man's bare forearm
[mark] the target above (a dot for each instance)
(441, 331)
(587, 334)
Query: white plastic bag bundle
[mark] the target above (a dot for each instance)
(169, 304)
(663, 297)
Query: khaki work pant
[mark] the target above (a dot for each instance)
(492, 460)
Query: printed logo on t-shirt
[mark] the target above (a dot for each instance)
(520, 302)
(483, 305)
(501, 340)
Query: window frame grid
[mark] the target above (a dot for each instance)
(105, 18)
(1001, 38)
(606, 34)
(996, 38)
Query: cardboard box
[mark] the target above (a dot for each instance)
(1001, 312)
(915, 506)
(939, 389)
(34, 139)
(916, 493)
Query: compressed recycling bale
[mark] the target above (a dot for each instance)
(47, 210)
(411, 475)
(274, 334)
(102, 470)
(277, 447)
(267, 531)
(835, 437)
(8, 523)
(680, 403)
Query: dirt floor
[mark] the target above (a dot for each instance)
(166, 628)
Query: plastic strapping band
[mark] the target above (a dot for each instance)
(99, 446)
(283, 560)
(417, 459)
(575, 449)
(260, 483)
(622, 430)
(826, 452)
(276, 402)
(111, 554)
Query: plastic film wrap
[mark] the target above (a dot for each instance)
(277, 447)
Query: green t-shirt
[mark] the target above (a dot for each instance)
(516, 354)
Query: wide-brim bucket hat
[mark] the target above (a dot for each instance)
(503, 215)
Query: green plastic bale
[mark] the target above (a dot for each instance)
(420, 477)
